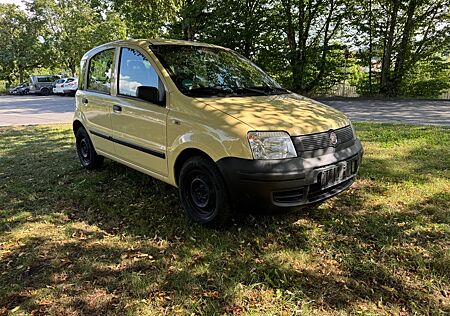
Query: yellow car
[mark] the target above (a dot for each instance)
(208, 121)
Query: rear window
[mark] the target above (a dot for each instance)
(100, 71)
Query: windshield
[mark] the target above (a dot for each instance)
(205, 72)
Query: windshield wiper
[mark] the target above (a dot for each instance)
(253, 90)
(279, 89)
(269, 89)
(210, 91)
(229, 91)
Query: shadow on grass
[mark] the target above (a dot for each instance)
(114, 240)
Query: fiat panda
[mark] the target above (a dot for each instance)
(211, 123)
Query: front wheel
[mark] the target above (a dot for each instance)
(203, 192)
(85, 149)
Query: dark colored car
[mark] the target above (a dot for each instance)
(21, 89)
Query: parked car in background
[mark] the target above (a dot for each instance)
(42, 84)
(66, 86)
(21, 89)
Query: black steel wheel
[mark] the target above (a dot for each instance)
(85, 149)
(203, 192)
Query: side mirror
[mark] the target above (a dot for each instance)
(146, 93)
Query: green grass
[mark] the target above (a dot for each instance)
(116, 242)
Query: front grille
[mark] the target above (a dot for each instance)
(322, 140)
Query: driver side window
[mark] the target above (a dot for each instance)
(135, 71)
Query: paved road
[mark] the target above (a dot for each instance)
(395, 111)
(25, 110)
(31, 110)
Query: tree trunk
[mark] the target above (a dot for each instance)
(20, 75)
(71, 65)
(370, 47)
(297, 72)
(247, 47)
(403, 52)
(8, 82)
(186, 16)
(301, 52)
(385, 84)
(292, 43)
(323, 59)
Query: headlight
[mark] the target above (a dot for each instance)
(271, 145)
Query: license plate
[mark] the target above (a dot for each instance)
(337, 173)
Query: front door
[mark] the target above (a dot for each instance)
(139, 127)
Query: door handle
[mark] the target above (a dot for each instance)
(117, 108)
(85, 101)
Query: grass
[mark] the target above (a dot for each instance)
(116, 242)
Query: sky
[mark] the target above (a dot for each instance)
(18, 2)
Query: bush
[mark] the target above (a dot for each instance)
(428, 78)
(2, 87)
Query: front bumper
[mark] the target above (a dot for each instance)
(71, 90)
(287, 183)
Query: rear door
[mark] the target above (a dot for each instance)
(95, 99)
(139, 127)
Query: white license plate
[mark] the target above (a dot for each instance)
(336, 174)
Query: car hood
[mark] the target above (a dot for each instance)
(293, 113)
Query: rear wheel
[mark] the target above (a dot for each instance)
(45, 91)
(203, 192)
(85, 149)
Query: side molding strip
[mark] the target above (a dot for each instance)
(134, 146)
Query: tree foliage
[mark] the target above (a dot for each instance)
(409, 31)
(20, 49)
(307, 45)
(72, 27)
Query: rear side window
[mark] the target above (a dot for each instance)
(100, 71)
(70, 79)
(45, 79)
(135, 71)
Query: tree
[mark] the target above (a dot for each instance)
(312, 30)
(147, 18)
(412, 30)
(20, 51)
(72, 27)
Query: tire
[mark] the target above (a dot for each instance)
(203, 193)
(85, 149)
(45, 91)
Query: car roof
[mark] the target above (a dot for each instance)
(146, 42)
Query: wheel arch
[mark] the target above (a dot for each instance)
(184, 155)
(76, 125)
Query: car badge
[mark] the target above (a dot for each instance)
(333, 138)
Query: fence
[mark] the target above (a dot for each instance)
(342, 90)
(445, 95)
(348, 91)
